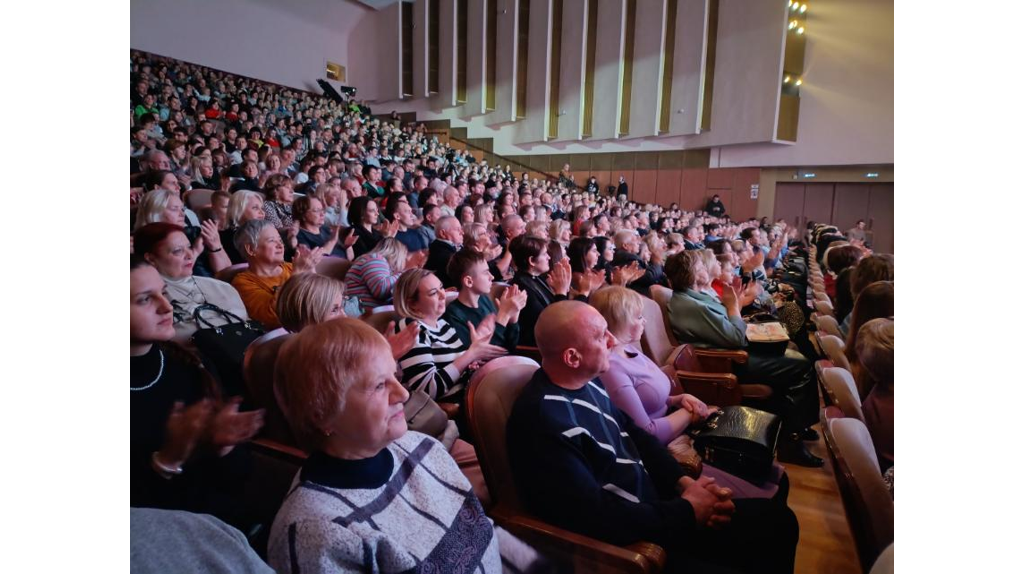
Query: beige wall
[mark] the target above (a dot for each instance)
(837, 174)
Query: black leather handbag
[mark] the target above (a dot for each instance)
(739, 440)
(223, 347)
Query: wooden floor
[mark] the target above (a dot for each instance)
(826, 545)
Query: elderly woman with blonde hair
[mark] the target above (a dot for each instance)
(373, 495)
(642, 390)
(165, 206)
(244, 206)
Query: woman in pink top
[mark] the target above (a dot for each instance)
(640, 389)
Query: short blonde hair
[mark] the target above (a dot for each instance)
(875, 350)
(617, 305)
(393, 251)
(152, 207)
(556, 227)
(407, 291)
(236, 207)
(305, 299)
(315, 370)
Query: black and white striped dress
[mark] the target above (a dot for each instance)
(428, 366)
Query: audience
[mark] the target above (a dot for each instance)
(259, 146)
(702, 319)
(581, 464)
(165, 247)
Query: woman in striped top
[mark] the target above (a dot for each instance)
(372, 275)
(439, 363)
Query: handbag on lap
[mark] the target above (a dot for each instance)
(223, 347)
(739, 440)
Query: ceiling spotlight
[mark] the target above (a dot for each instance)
(785, 80)
(792, 24)
(799, 82)
(800, 30)
(803, 8)
(794, 5)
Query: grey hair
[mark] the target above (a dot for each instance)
(445, 223)
(237, 204)
(248, 235)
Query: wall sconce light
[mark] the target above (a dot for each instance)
(792, 24)
(800, 30)
(799, 82)
(803, 8)
(786, 80)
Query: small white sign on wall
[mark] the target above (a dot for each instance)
(754, 188)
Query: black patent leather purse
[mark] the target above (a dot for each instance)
(739, 440)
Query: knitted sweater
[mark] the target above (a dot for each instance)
(371, 280)
(408, 509)
(260, 294)
(579, 463)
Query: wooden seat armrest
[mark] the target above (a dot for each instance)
(721, 389)
(278, 450)
(450, 409)
(582, 551)
(527, 351)
(734, 355)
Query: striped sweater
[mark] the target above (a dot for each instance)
(371, 280)
(408, 509)
(428, 366)
(581, 464)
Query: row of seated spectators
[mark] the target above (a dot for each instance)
(596, 438)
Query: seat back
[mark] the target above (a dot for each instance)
(662, 295)
(823, 307)
(196, 199)
(274, 467)
(258, 374)
(842, 389)
(833, 348)
(489, 403)
(380, 320)
(655, 341)
(333, 267)
(497, 290)
(827, 324)
(228, 273)
(869, 507)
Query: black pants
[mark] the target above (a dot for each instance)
(761, 538)
(794, 389)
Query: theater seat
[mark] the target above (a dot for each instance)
(834, 348)
(841, 388)
(703, 373)
(228, 273)
(827, 324)
(489, 403)
(196, 199)
(258, 374)
(333, 267)
(869, 507)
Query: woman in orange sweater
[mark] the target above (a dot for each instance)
(262, 247)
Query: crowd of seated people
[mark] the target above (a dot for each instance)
(241, 190)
